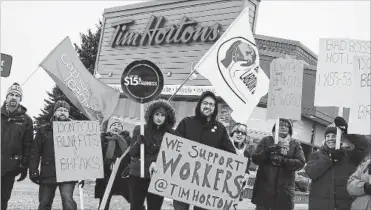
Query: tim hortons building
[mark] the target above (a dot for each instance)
(175, 35)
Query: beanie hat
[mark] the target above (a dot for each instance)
(330, 129)
(115, 119)
(15, 88)
(61, 103)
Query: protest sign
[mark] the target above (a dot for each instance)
(5, 64)
(360, 110)
(197, 174)
(334, 70)
(285, 89)
(78, 150)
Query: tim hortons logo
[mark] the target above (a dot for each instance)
(156, 34)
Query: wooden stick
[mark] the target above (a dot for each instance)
(338, 131)
(81, 193)
(277, 130)
(186, 79)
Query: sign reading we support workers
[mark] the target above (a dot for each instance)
(197, 174)
(334, 70)
(285, 89)
(78, 150)
(360, 110)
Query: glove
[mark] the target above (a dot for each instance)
(35, 177)
(367, 188)
(23, 171)
(273, 148)
(337, 154)
(141, 139)
(82, 183)
(276, 160)
(341, 124)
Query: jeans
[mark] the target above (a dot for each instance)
(47, 193)
(7, 183)
(138, 188)
(178, 205)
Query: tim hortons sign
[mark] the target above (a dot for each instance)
(156, 34)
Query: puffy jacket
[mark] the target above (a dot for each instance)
(329, 178)
(153, 139)
(16, 140)
(355, 187)
(275, 185)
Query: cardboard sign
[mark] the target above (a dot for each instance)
(197, 174)
(285, 89)
(6, 64)
(334, 70)
(360, 111)
(142, 81)
(78, 150)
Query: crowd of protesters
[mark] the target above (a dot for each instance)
(340, 178)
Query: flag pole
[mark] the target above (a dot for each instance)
(177, 90)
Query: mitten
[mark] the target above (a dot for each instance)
(337, 154)
(276, 160)
(341, 124)
(272, 148)
(367, 188)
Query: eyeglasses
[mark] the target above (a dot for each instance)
(241, 133)
(205, 103)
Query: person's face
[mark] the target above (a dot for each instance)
(207, 106)
(330, 140)
(13, 99)
(116, 128)
(61, 114)
(239, 136)
(283, 130)
(159, 118)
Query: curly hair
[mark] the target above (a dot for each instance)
(153, 106)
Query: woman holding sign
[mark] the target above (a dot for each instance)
(359, 186)
(330, 168)
(274, 186)
(114, 142)
(160, 118)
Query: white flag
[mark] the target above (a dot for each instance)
(232, 66)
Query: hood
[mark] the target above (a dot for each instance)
(170, 112)
(197, 109)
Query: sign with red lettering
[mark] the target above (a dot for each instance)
(78, 150)
(360, 110)
(198, 174)
(334, 70)
(6, 64)
(142, 81)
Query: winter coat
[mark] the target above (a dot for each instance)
(16, 140)
(43, 150)
(153, 136)
(329, 177)
(275, 185)
(355, 187)
(120, 185)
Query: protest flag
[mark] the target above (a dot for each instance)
(232, 67)
(92, 97)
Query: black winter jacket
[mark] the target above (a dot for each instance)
(16, 140)
(275, 185)
(212, 134)
(329, 178)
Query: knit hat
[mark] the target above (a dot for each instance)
(15, 88)
(330, 129)
(61, 103)
(115, 119)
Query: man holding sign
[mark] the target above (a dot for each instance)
(205, 129)
(43, 148)
(274, 185)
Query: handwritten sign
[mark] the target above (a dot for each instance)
(78, 150)
(360, 110)
(5, 64)
(334, 70)
(285, 89)
(197, 174)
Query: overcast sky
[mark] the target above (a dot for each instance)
(31, 29)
